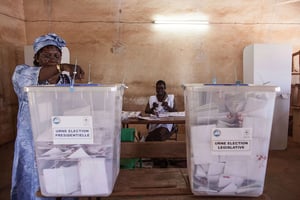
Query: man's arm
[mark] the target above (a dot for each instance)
(148, 109)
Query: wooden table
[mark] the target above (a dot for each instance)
(159, 120)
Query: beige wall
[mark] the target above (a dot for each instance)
(12, 40)
(143, 52)
(147, 53)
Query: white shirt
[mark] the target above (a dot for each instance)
(160, 109)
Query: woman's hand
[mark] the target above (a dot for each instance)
(79, 74)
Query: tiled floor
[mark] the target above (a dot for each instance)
(281, 183)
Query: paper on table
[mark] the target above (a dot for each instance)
(177, 114)
(162, 115)
(172, 114)
(148, 118)
(131, 114)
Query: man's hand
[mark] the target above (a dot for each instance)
(165, 105)
(155, 105)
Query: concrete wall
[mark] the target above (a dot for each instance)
(120, 42)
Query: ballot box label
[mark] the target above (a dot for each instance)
(231, 141)
(72, 129)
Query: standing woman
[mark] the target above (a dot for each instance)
(47, 69)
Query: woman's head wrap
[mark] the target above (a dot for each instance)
(46, 40)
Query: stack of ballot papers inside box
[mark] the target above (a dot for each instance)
(79, 169)
(76, 170)
(77, 136)
(229, 144)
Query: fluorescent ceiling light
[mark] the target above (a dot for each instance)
(180, 22)
(286, 2)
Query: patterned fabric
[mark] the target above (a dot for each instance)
(160, 109)
(25, 182)
(49, 39)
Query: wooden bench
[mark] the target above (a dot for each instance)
(152, 181)
(168, 149)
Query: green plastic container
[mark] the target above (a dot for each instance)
(127, 135)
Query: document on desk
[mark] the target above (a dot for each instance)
(172, 114)
(148, 118)
(130, 114)
(162, 115)
(177, 114)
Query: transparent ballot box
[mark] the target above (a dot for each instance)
(76, 134)
(228, 129)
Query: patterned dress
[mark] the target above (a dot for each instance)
(25, 182)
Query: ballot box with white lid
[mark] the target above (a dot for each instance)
(76, 132)
(228, 130)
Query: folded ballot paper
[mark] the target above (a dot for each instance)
(93, 177)
(62, 180)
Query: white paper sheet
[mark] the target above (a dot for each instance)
(63, 180)
(93, 177)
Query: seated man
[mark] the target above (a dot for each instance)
(160, 103)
